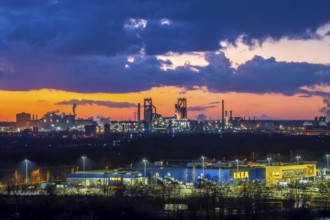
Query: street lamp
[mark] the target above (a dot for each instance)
(84, 167)
(203, 158)
(26, 170)
(145, 167)
(298, 157)
(269, 159)
(327, 156)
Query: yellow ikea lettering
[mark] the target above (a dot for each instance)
(241, 175)
(115, 179)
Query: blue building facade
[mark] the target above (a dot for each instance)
(220, 176)
(159, 175)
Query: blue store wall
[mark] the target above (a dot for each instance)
(186, 174)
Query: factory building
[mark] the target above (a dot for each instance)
(90, 129)
(55, 121)
(23, 120)
(154, 122)
(80, 124)
(106, 128)
(105, 178)
(150, 115)
(148, 110)
(123, 126)
(181, 109)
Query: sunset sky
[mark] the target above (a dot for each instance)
(265, 58)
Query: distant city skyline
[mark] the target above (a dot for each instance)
(265, 58)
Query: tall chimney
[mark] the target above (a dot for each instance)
(139, 113)
(223, 115)
(230, 113)
(74, 106)
(226, 115)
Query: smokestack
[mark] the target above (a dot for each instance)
(230, 113)
(226, 114)
(139, 113)
(223, 115)
(36, 117)
(74, 106)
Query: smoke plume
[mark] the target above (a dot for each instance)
(326, 109)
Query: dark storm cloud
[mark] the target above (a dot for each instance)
(32, 70)
(2, 73)
(103, 27)
(200, 108)
(261, 75)
(110, 104)
(90, 73)
(82, 46)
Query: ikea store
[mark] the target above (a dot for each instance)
(183, 175)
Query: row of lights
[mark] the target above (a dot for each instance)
(145, 164)
(299, 157)
(84, 168)
(203, 163)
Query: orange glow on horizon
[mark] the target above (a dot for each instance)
(39, 102)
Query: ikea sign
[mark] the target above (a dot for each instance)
(241, 175)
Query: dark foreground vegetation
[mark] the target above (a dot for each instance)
(122, 150)
(143, 207)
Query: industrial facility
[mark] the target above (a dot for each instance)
(148, 120)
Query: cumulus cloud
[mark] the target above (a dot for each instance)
(109, 104)
(133, 23)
